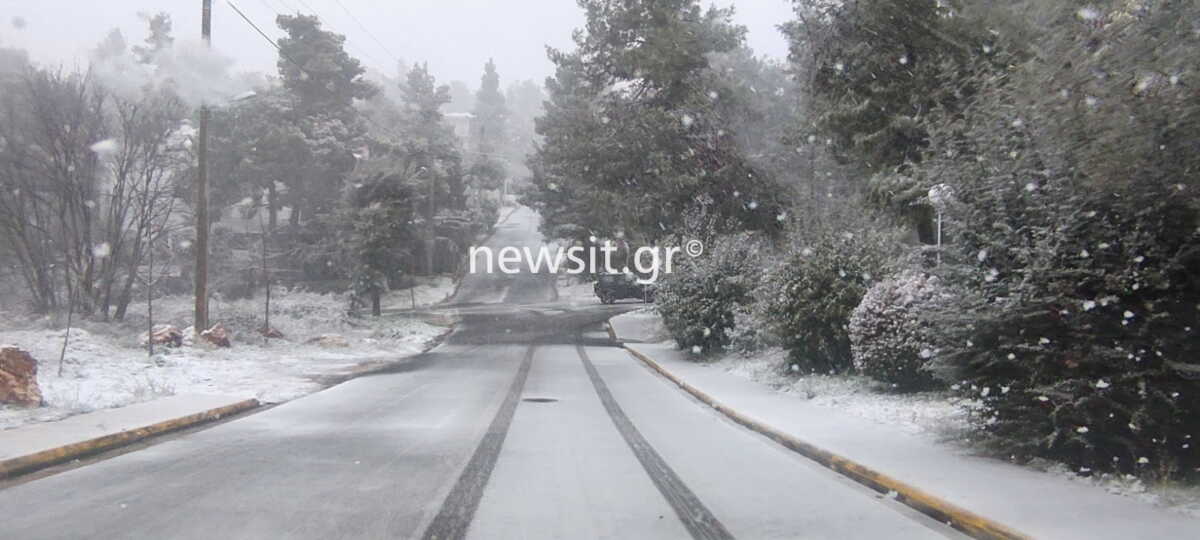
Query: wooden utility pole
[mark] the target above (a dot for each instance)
(201, 288)
(431, 242)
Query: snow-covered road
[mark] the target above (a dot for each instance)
(526, 423)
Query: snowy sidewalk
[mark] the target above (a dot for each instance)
(39, 445)
(1034, 503)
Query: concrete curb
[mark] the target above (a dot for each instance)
(937, 508)
(39, 460)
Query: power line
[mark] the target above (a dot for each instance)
(284, 56)
(325, 21)
(270, 6)
(259, 30)
(365, 29)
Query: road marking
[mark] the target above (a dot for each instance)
(695, 516)
(457, 511)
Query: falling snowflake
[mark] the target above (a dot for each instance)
(903, 60)
(1089, 305)
(1088, 13)
(1081, 429)
(687, 120)
(696, 349)
(982, 255)
(107, 146)
(102, 250)
(1102, 384)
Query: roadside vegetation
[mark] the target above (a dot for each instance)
(997, 201)
(334, 193)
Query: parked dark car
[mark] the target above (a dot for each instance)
(612, 287)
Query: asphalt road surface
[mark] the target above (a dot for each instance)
(527, 423)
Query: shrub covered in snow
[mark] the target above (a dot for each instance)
(1080, 337)
(1075, 252)
(699, 299)
(810, 294)
(889, 338)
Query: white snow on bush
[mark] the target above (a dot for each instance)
(889, 340)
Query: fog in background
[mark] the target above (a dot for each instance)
(456, 37)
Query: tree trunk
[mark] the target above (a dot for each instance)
(126, 295)
(272, 206)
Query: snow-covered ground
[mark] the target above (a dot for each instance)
(106, 364)
(431, 291)
(940, 416)
(934, 413)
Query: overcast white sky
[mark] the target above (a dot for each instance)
(455, 36)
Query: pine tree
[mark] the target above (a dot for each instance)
(489, 130)
(325, 82)
(159, 39)
(877, 69)
(638, 126)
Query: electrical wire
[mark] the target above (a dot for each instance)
(325, 21)
(284, 56)
(367, 118)
(368, 31)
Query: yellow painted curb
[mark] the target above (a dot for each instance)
(960, 518)
(611, 333)
(39, 460)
